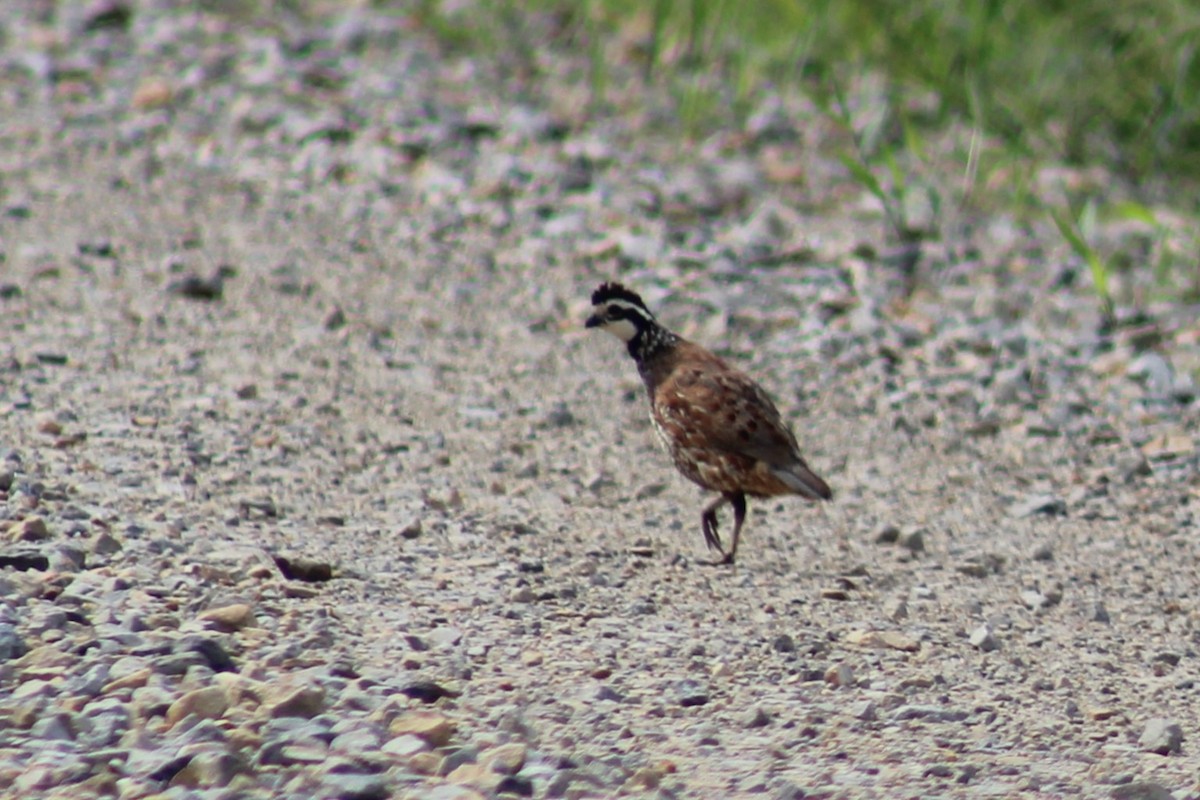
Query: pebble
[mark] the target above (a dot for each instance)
(229, 618)
(690, 693)
(1161, 736)
(912, 540)
(30, 529)
(12, 644)
(287, 699)
(207, 703)
(1096, 612)
(755, 717)
(1046, 504)
(1142, 790)
(893, 640)
(983, 639)
(432, 728)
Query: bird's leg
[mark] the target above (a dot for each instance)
(708, 524)
(739, 516)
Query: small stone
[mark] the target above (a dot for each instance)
(434, 729)
(30, 529)
(195, 287)
(405, 745)
(335, 319)
(411, 529)
(1167, 657)
(507, 759)
(132, 680)
(1133, 465)
(1101, 713)
(784, 643)
(1169, 446)
(210, 770)
(888, 534)
(445, 636)
(289, 700)
(247, 391)
(1035, 600)
(982, 566)
(427, 691)
(690, 693)
(207, 703)
(229, 618)
(152, 93)
(983, 639)
(303, 569)
(755, 717)
(55, 727)
(214, 655)
(1043, 552)
(107, 14)
(12, 646)
(1096, 612)
(106, 544)
(351, 786)
(892, 640)
(522, 594)
(519, 785)
(840, 675)
(1047, 504)
(1161, 736)
(913, 540)
(559, 416)
(864, 710)
(1142, 790)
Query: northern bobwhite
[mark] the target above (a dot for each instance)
(719, 426)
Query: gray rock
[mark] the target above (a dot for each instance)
(783, 643)
(864, 710)
(1154, 372)
(1141, 790)
(348, 786)
(928, 713)
(1096, 612)
(690, 693)
(983, 639)
(55, 727)
(1047, 504)
(913, 540)
(444, 636)
(1162, 736)
(11, 644)
(755, 717)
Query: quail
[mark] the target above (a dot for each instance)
(720, 428)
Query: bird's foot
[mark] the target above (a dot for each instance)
(726, 560)
(708, 523)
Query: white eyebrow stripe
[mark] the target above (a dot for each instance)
(625, 304)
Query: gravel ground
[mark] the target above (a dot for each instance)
(312, 485)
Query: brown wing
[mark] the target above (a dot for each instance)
(740, 417)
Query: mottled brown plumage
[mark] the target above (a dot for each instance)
(720, 428)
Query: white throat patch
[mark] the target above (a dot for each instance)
(623, 329)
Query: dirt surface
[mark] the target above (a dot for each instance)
(313, 290)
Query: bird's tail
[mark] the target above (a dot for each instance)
(803, 481)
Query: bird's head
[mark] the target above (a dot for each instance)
(620, 311)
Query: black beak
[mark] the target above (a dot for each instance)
(594, 321)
